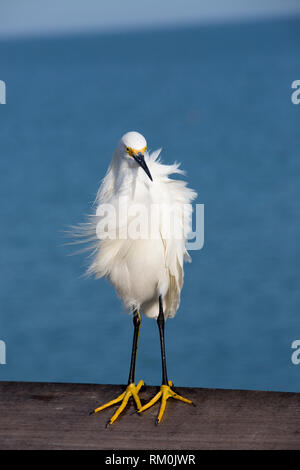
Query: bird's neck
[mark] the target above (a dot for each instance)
(125, 177)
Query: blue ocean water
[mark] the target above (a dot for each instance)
(218, 99)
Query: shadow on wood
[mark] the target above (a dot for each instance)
(56, 416)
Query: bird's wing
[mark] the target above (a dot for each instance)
(106, 189)
(86, 233)
(175, 199)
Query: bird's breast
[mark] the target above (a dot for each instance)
(139, 271)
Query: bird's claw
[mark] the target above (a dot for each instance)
(164, 394)
(132, 390)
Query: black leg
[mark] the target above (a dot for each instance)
(166, 391)
(132, 390)
(161, 328)
(137, 324)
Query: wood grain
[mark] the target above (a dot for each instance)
(56, 416)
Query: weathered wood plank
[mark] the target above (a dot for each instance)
(56, 416)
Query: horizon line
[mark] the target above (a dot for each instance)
(150, 27)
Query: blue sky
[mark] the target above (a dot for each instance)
(18, 17)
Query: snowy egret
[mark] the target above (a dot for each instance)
(147, 270)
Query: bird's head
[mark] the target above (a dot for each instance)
(133, 146)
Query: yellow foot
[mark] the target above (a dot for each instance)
(164, 393)
(131, 391)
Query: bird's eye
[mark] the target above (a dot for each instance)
(129, 151)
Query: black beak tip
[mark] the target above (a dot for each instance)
(139, 158)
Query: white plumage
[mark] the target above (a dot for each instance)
(141, 269)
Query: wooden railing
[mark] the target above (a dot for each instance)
(56, 416)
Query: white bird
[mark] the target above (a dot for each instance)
(139, 233)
